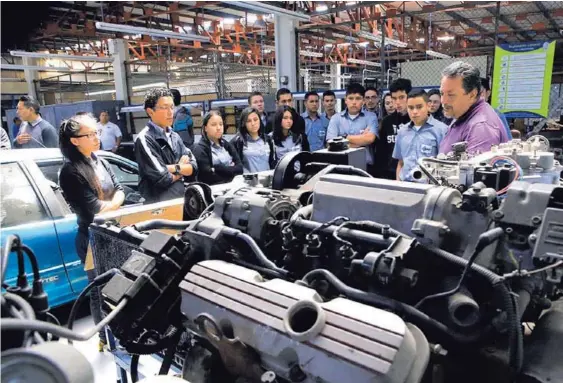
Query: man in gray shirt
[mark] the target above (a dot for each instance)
(34, 131)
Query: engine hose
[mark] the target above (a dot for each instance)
(146, 349)
(515, 339)
(260, 256)
(134, 234)
(427, 172)
(375, 225)
(162, 224)
(413, 315)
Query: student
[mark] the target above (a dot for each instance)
(163, 158)
(419, 138)
(285, 98)
(315, 123)
(329, 104)
(371, 100)
(436, 109)
(217, 159)
(110, 134)
(253, 146)
(385, 164)
(285, 139)
(476, 122)
(89, 186)
(388, 106)
(359, 127)
(183, 122)
(256, 101)
(34, 132)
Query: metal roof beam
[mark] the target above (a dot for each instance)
(512, 25)
(546, 14)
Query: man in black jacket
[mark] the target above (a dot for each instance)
(385, 164)
(163, 158)
(285, 98)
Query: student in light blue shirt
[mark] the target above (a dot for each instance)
(357, 126)
(285, 139)
(315, 124)
(419, 138)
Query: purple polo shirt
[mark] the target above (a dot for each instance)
(480, 127)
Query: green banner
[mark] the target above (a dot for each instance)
(522, 78)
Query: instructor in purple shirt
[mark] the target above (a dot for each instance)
(475, 121)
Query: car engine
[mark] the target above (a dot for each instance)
(531, 161)
(344, 277)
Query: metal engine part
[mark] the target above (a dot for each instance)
(535, 164)
(292, 329)
(431, 213)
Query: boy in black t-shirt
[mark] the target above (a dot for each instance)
(385, 164)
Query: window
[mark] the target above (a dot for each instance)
(124, 173)
(20, 204)
(50, 170)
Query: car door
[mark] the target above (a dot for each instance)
(126, 172)
(24, 211)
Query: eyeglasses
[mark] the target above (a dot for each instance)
(167, 108)
(91, 136)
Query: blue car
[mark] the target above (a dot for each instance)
(33, 207)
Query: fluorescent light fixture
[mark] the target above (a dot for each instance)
(228, 21)
(206, 24)
(271, 47)
(251, 18)
(446, 38)
(267, 8)
(38, 68)
(362, 62)
(321, 8)
(136, 87)
(60, 57)
(343, 45)
(379, 39)
(420, 40)
(310, 53)
(364, 44)
(438, 55)
(123, 28)
(99, 92)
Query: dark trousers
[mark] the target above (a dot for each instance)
(95, 296)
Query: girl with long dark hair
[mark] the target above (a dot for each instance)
(285, 140)
(253, 146)
(217, 159)
(387, 105)
(89, 186)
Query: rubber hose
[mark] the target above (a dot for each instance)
(515, 339)
(162, 224)
(169, 355)
(414, 315)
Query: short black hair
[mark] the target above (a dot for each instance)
(418, 93)
(355, 88)
(153, 95)
(255, 93)
(433, 92)
(329, 93)
(372, 88)
(177, 96)
(30, 102)
(401, 84)
(309, 94)
(485, 83)
(281, 92)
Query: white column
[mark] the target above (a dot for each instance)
(30, 76)
(336, 81)
(286, 58)
(120, 54)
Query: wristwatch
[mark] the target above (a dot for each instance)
(177, 172)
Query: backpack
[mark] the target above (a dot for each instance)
(182, 120)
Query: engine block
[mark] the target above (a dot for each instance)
(293, 329)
